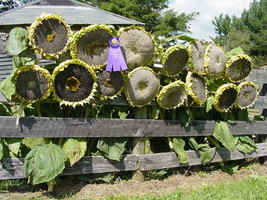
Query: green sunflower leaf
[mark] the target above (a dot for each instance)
(223, 134)
(204, 151)
(234, 52)
(75, 149)
(209, 103)
(13, 145)
(44, 163)
(31, 142)
(178, 147)
(245, 144)
(17, 41)
(112, 148)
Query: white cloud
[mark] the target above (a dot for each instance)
(202, 27)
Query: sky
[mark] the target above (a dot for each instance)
(202, 27)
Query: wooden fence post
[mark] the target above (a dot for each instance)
(138, 145)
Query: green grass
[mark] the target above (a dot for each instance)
(253, 188)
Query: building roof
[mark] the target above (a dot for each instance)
(74, 12)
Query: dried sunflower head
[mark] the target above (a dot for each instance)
(238, 67)
(225, 97)
(174, 60)
(90, 44)
(110, 84)
(247, 94)
(214, 61)
(32, 83)
(137, 46)
(49, 35)
(141, 87)
(197, 87)
(74, 83)
(173, 95)
(196, 50)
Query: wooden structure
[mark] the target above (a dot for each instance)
(132, 128)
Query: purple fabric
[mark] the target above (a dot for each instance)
(116, 61)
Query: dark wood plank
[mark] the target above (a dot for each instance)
(14, 168)
(170, 160)
(101, 128)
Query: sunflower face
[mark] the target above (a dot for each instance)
(90, 44)
(74, 83)
(225, 97)
(196, 57)
(247, 94)
(110, 84)
(137, 46)
(32, 83)
(214, 61)
(197, 87)
(238, 67)
(174, 60)
(172, 95)
(141, 86)
(49, 35)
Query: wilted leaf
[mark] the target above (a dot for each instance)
(223, 134)
(107, 178)
(31, 142)
(13, 146)
(75, 149)
(245, 144)
(185, 116)
(17, 41)
(7, 87)
(112, 147)
(205, 154)
(178, 147)
(44, 163)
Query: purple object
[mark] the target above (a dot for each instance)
(116, 61)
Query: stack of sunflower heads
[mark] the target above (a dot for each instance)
(80, 76)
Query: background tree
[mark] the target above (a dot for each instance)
(154, 13)
(249, 31)
(7, 5)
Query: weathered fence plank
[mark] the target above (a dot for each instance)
(102, 127)
(13, 168)
(170, 160)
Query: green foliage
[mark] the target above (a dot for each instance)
(203, 149)
(44, 163)
(223, 134)
(112, 148)
(7, 87)
(32, 142)
(75, 149)
(178, 145)
(13, 145)
(17, 41)
(245, 144)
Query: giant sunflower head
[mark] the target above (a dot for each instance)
(90, 44)
(174, 60)
(74, 83)
(247, 94)
(173, 95)
(238, 67)
(49, 35)
(214, 61)
(197, 87)
(225, 97)
(137, 46)
(110, 84)
(196, 50)
(32, 83)
(141, 87)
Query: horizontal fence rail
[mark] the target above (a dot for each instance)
(13, 168)
(106, 128)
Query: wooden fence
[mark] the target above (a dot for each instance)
(131, 128)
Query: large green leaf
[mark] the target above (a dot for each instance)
(32, 142)
(245, 144)
(204, 152)
(17, 41)
(75, 149)
(1, 148)
(185, 116)
(209, 103)
(44, 163)
(223, 134)
(112, 148)
(234, 52)
(178, 146)
(7, 87)
(27, 57)
(13, 146)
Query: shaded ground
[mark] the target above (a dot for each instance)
(184, 181)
